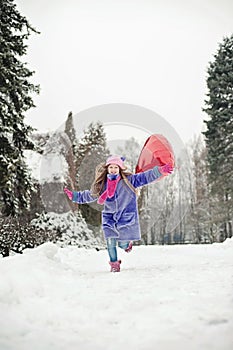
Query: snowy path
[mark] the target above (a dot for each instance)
(165, 298)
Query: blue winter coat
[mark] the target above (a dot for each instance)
(120, 217)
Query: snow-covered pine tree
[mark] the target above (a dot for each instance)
(94, 139)
(66, 229)
(130, 151)
(15, 100)
(91, 151)
(219, 133)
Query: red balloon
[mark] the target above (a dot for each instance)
(156, 151)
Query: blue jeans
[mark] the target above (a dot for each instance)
(112, 247)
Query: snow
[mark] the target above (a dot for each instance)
(72, 228)
(54, 168)
(33, 160)
(165, 298)
(51, 167)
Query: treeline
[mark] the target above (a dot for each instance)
(184, 207)
(198, 202)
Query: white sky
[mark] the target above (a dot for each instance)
(165, 297)
(149, 53)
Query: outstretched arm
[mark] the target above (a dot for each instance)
(149, 176)
(80, 197)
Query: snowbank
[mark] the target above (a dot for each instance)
(165, 297)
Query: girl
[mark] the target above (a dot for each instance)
(115, 188)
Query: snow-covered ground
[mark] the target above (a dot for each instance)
(164, 298)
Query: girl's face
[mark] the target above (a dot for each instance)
(113, 169)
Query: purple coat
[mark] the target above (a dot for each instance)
(120, 217)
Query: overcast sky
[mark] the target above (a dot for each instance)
(153, 54)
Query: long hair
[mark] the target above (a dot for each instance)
(101, 172)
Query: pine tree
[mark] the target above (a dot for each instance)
(15, 100)
(219, 133)
(131, 152)
(92, 150)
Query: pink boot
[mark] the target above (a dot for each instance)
(115, 266)
(128, 250)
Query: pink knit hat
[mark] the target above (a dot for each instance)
(116, 160)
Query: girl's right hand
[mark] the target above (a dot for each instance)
(68, 193)
(166, 169)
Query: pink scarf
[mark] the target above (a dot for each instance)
(112, 182)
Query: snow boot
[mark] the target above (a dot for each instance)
(128, 250)
(115, 266)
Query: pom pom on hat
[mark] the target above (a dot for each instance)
(116, 160)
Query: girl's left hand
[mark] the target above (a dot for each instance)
(68, 193)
